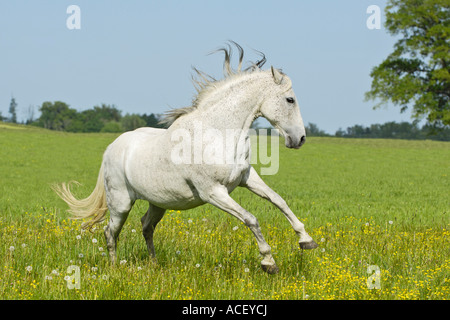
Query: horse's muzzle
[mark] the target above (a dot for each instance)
(295, 145)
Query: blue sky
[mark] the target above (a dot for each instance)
(138, 55)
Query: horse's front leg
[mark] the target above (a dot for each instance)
(255, 184)
(220, 198)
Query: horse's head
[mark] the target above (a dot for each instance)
(280, 107)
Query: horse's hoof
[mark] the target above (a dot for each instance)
(270, 268)
(153, 260)
(308, 245)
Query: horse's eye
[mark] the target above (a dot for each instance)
(290, 100)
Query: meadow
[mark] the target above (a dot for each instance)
(370, 205)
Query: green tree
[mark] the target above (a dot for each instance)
(152, 120)
(132, 121)
(94, 119)
(13, 110)
(56, 116)
(112, 126)
(91, 121)
(417, 73)
(108, 112)
(393, 130)
(312, 130)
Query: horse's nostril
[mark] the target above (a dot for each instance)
(302, 140)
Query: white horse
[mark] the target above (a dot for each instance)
(138, 164)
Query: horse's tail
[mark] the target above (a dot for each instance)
(93, 207)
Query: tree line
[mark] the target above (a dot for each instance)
(59, 116)
(388, 130)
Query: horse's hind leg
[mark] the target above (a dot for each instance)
(149, 221)
(119, 205)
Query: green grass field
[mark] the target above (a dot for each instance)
(367, 203)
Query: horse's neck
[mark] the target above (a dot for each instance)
(234, 105)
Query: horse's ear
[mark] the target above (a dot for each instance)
(277, 76)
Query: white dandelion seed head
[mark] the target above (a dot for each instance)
(100, 248)
(246, 270)
(123, 261)
(29, 268)
(94, 240)
(235, 228)
(11, 248)
(190, 221)
(133, 230)
(391, 222)
(24, 245)
(197, 265)
(81, 255)
(78, 237)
